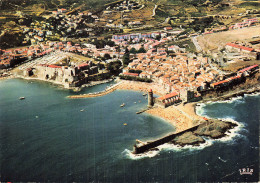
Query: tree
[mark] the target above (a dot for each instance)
(133, 50)
(110, 43)
(118, 48)
(107, 56)
(126, 57)
(114, 67)
(158, 37)
(142, 50)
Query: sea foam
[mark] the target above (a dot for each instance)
(230, 136)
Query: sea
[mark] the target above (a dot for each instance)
(49, 137)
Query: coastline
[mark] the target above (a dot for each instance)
(184, 117)
(181, 117)
(76, 89)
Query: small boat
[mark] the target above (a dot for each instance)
(144, 94)
(81, 110)
(22, 98)
(125, 124)
(122, 105)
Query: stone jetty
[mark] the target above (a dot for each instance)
(96, 94)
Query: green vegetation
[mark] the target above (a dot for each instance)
(132, 78)
(135, 71)
(187, 44)
(133, 51)
(249, 4)
(11, 39)
(141, 50)
(126, 57)
(54, 4)
(103, 43)
(114, 67)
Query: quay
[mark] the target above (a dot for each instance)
(142, 111)
(144, 147)
(96, 94)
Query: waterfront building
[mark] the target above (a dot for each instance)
(168, 100)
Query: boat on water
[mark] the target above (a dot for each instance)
(82, 110)
(125, 124)
(144, 94)
(22, 98)
(122, 105)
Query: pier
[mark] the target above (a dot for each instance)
(143, 110)
(143, 147)
(96, 94)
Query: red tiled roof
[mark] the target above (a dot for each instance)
(130, 74)
(226, 80)
(170, 95)
(240, 47)
(82, 65)
(54, 66)
(220, 82)
(248, 68)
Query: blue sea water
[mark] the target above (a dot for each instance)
(47, 137)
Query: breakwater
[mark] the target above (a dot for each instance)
(150, 145)
(96, 94)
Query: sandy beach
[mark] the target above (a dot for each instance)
(181, 117)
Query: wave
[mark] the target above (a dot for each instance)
(230, 137)
(129, 155)
(164, 148)
(200, 109)
(238, 99)
(252, 94)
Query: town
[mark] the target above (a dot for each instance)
(92, 91)
(184, 72)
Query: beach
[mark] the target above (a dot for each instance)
(181, 117)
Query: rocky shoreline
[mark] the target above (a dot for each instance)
(213, 128)
(210, 128)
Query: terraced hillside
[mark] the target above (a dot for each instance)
(51, 4)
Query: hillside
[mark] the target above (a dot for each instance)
(180, 8)
(192, 15)
(51, 4)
